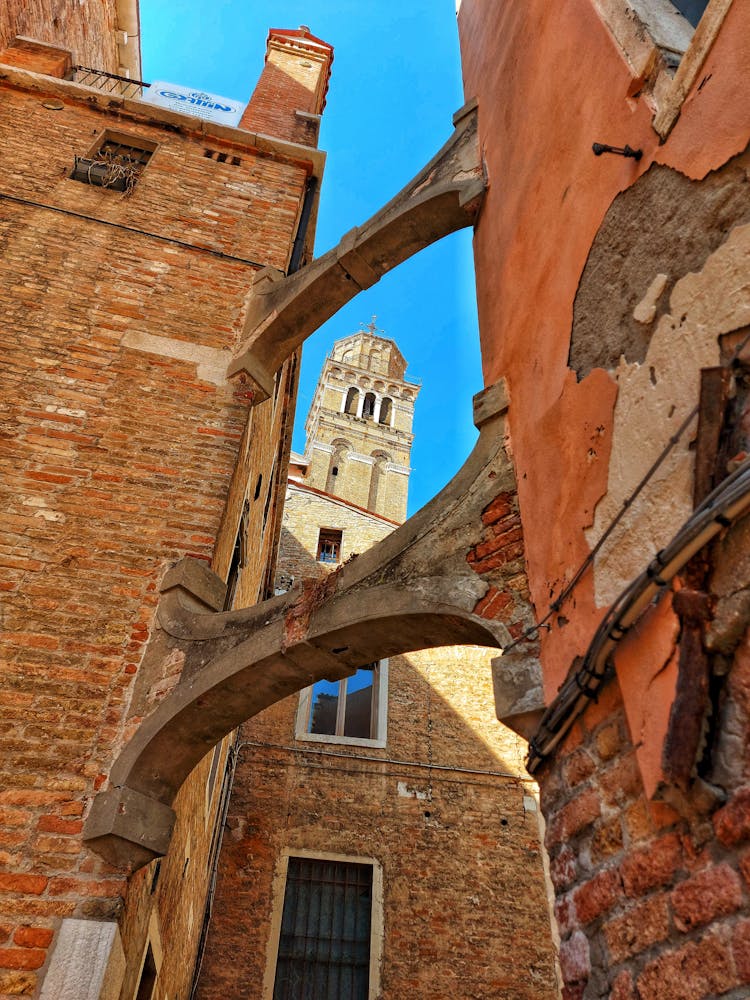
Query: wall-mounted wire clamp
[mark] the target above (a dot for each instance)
(603, 147)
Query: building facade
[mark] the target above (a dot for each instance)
(612, 289)
(382, 838)
(125, 447)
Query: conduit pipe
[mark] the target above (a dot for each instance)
(726, 503)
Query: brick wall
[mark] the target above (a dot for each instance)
(294, 80)
(124, 449)
(89, 34)
(465, 908)
(651, 904)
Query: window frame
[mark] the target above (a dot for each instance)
(380, 699)
(278, 893)
(665, 92)
(327, 535)
(93, 158)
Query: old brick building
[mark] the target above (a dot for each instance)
(613, 299)
(595, 534)
(130, 235)
(399, 774)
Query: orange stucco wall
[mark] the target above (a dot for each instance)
(550, 81)
(648, 868)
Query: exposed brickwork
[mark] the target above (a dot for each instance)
(121, 453)
(294, 79)
(91, 38)
(660, 903)
(499, 559)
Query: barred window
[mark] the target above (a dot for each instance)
(324, 945)
(115, 162)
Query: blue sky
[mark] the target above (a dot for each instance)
(395, 85)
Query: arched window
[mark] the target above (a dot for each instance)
(352, 398)
(369, 407)
(386, 410)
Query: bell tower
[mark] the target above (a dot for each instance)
(359, 426)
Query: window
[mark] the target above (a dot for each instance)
(329, 931)
(329, 545)
(368, 408)
(116, 162)
(386, 408)
(352, 399)
(691, 10)
(352, 710)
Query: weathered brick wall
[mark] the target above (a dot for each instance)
(124, 448)
(305, 512)
(604, 349)
(465, 908)
(651, 904)
(88, 33)
(294, 79)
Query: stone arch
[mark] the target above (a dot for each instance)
(284, 310)
(416, 589)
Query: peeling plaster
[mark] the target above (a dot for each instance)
(653, 399)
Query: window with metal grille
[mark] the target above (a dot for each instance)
(324, 945)
(329, 545)
(116, 162)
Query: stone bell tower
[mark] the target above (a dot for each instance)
(359, 425)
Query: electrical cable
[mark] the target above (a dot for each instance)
(129, 229)
(720, 508)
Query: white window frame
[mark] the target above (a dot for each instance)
(381, 714)
(376, 914)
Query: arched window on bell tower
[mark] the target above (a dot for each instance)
(386, 410)
(352, 399)
(368, 409)
(337, 466)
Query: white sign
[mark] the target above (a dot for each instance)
(198, 103)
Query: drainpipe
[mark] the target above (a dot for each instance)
(304, 222)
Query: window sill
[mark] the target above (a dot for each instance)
(350, 741)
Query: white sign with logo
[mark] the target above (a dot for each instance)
(198, 103)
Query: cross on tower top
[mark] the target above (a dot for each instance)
(371, 326)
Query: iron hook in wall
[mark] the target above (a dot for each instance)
(602, 147)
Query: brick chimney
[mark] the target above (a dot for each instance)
(291, 93)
